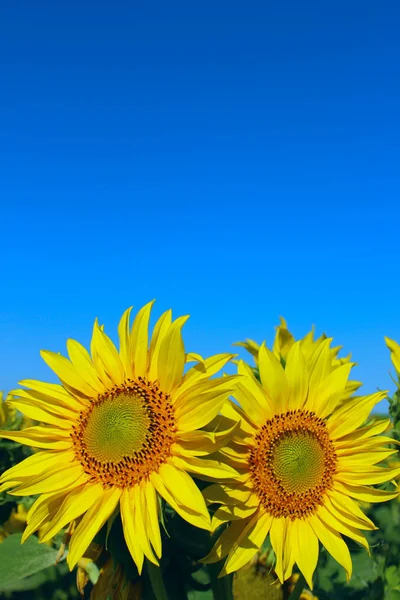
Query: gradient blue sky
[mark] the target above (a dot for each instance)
(236, 161)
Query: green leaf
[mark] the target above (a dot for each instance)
(392, 575)
(19, 561)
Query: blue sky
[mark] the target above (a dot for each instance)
(236, 161)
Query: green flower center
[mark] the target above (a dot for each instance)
(117, 428)
(292, 464)
(298, 462)
(125, 434)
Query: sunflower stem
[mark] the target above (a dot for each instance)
(156, 580)
(298, 588)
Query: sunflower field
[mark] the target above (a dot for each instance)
(149, 472)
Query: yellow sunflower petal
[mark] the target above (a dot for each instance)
(273, 379)
(196, 374)
(352, 414)
(53, 393)
(124, 343)
(297, 377)
(204, 468)
(66, 371)
(140, 339)
(159, 331)
(333, 543)
(38, 463)
(331, 390)
(152, 508)
(191, 513)
(127, 516)
(334, 519)
(138, 500)
(365, 494)
(40, 437)
(29, 397)
(303, 536)
(53, 481)
(225, 542)
(76, 502)
(108, 355)
(278, 540)
(247, 544)
(38, 414)
(230, 495)
(200, 410)
(175, 478)
(394, 353)
(46, 507)
(171, 358)
(91, 523)
(83, 364)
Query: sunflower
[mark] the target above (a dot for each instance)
(304, 464)
(284, 341)
(123, 429)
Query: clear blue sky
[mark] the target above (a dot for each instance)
(236, 161)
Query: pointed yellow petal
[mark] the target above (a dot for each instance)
(38, 414)
(159, 331)
(205, 469)
(127, 516)
(339, 522)
(225, 542)
(140, 340)
(51, 393)
(171, 358)
(83, 364)
(108, 355)
(152, 508)
(201, 443)
(53, 481)
(40, 437)
(333, 542)
(278, 541)
(76, 502)
(137, 499)
(371, 475)
(245, 547)
(230, 494)
(175, 479)
(91, 523)
(365, 494)
(66, 371)
(196, 374)
(124, 343)
(303, 536)
(352, 414)
(48, 404)
(199, 410)
(46, 506)
(297, 377)
(349, 507)
(331, 390)
(38, 463)
(192, 514)
(394, 353)
(273, 379)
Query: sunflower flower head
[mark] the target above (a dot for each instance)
(305, 462)
(123, 429)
